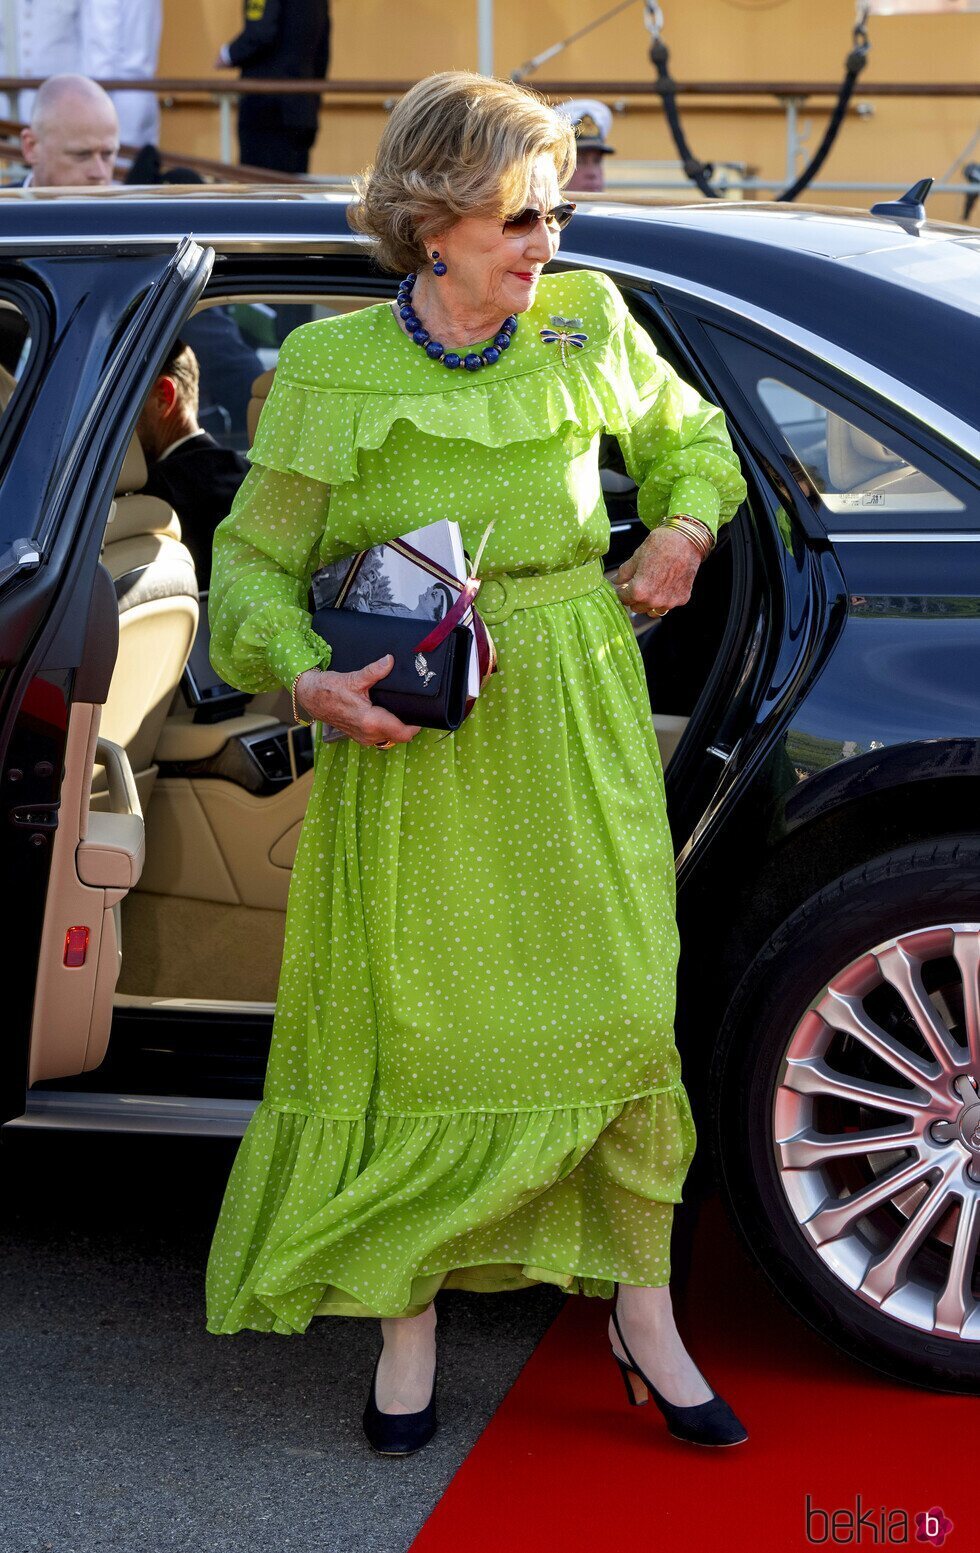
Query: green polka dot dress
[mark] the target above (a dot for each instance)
(473, 1081)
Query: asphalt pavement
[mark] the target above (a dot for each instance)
(127, 1428)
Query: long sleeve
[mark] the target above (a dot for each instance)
(678, 450)
(265, 552)
(263, 22)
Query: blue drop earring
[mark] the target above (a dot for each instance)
(439, 267)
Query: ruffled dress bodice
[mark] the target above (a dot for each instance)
(374, 376)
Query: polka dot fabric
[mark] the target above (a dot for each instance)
(473, 1081)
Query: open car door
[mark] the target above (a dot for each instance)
(102, 318)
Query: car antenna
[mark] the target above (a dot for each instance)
(911, 206)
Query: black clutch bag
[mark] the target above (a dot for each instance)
(425, 685)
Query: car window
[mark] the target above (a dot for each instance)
(850, 469)
(15, 350)
(859, 470)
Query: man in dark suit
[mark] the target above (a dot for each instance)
(187, 467)
(281, 39)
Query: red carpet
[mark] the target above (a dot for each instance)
(565, 1466)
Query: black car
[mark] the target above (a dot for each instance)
(817, 704)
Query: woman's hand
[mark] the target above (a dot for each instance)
(342, 700)
(660, 573)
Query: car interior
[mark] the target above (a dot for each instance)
(183, 798)
(848, 468)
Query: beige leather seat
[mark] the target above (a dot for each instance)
(260, 393)
(156, 591)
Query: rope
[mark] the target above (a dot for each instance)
(700, 172)
(971, 172)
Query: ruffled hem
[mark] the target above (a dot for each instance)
(371, 1215)
(602, 389)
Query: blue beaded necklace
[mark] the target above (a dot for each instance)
(474, 360)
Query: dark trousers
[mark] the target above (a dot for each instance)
(265, 141)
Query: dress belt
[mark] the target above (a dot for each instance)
(503, 592)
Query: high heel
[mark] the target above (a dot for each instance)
(706, 1423)
(399, 1434)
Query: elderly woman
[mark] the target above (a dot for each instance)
(473, 1081)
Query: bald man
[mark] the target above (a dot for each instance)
(73, 136)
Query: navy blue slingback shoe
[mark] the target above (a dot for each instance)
(706, 1423)
(399, 1434)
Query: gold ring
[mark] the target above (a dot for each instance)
(658, 613)
(387, 745)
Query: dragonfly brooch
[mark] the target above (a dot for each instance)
(566, 332)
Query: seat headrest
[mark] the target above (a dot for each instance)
(260, 393)
(130, 516)
(871, 448)
(133, 474)
(854, 457)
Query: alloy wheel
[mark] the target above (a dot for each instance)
(876, 1128)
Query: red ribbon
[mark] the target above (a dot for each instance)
(485, 651)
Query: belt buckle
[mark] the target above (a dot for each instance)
(495, 601)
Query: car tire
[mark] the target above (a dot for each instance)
(799, 1064)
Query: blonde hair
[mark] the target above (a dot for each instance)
(456, 144)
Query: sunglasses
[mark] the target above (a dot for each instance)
(525, 221)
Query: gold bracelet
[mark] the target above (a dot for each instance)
(697, 532)
(698, 526)
(710, 536)
(304, 722)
